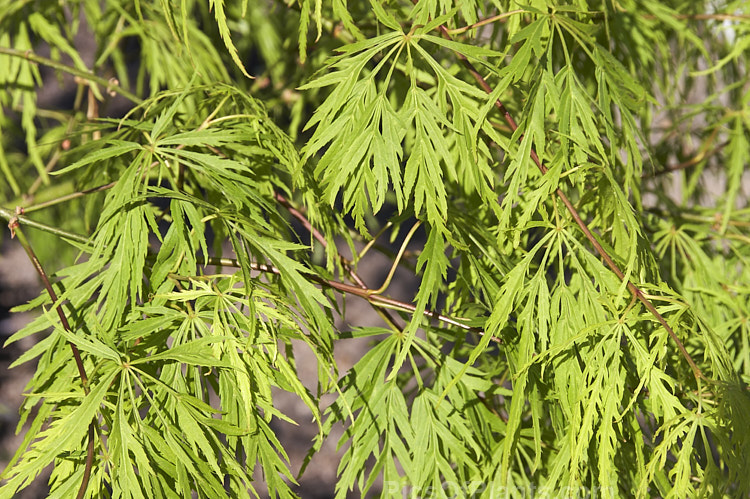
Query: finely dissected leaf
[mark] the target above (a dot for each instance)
(472, 51)
(221, 21)
(561, 318)
(65, 434)
(113, 149)
(365, 130)
(168, 114)
(189, 353)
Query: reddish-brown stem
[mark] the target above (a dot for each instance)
(89, 463)
(635, 290)
(346, 264)
(365, 293)
(15, 228)
(17, 232)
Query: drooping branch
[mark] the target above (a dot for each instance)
(86, 75)
(347, 264)
(380, 301)
(632, 287)
(702, 155)
(373, 296)
(16, 231)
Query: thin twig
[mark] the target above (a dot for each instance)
(68, 197)
(488, 20)
(86, 75)
(364, 293)
(16, 231)
(19, 219)
(702, 155)
(396, 260)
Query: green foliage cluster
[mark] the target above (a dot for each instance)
(593, 329)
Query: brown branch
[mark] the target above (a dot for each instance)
(488, 20)
(379, 301)
(363, 291)
(89, 463)
(635, 290)
(15, 230)
(345, 263)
